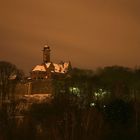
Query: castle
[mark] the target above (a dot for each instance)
(48, 69)
(42, 75)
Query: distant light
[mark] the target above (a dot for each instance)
(104, 106)
(96, 94)
(92, 104)
(100, 93)
(75, 90)
(100, 90)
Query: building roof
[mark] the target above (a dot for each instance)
(39, 68)
(58, 68)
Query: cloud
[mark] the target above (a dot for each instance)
(104, 31)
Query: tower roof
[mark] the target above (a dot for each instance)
(46, 47)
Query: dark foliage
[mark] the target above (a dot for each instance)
(69, 115)
(10, 75)
(119, 111)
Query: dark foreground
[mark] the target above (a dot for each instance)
(70, 119)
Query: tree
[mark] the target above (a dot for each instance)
(117, 79)
(10, 75)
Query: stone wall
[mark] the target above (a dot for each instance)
(41, 87)
(34, 87)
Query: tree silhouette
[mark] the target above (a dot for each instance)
(9, 76)
(117, 79)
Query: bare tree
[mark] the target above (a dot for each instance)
(9, 76)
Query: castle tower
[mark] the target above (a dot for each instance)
(46, 54)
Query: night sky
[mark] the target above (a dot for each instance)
(89, 33)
